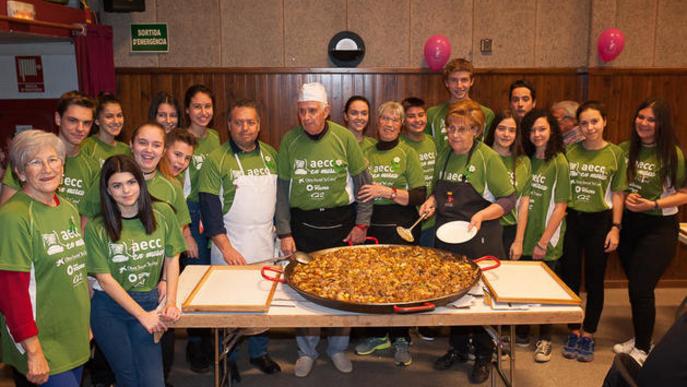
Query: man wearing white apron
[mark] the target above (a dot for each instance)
(238, 191)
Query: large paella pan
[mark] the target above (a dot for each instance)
(383, 278)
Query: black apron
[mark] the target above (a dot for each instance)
(460, 201)
(385, 219)
(321, 228)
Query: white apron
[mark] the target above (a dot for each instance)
(250, 220)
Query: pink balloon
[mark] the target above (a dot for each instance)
(437, 51)
(611, 43)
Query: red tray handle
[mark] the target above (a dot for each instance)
(488, 258)
(368, 238)
(273, 279)
(426, 307)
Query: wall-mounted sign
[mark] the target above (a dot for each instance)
(29, 74)
(149, 38)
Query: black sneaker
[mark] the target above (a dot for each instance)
(449, 359)
(522, 340)
(266, 364)
(480, 371)
(198, 358)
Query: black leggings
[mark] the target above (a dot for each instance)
(586, 233)
(647, 245)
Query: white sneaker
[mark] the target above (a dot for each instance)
(342, 363)
(627, 346)
(303, 366)
(624, 347)
(542, 353)
(638, 355)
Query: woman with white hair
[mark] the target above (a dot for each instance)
(398, 188)
(45, 302)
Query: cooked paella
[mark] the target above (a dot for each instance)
(384, 274)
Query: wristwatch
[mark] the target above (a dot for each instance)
(618, 226)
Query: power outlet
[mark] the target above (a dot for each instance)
(485, 46)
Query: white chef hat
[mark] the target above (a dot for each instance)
(314, 91)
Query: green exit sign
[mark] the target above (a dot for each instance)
(149, 38)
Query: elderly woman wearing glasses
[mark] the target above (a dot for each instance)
(45, 302)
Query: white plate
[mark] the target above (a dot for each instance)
(455, 232)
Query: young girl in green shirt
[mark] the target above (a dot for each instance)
(597, 180)
(648, 238)
(133, 248)
(504, 137)
(549, 193)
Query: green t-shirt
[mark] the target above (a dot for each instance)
(159, 187)
(100, 151)
(320, 170)
(436, 123)
(136, 259)
(81, 175)
(550, 184)
(203, 148)
(398, 167)
(427, 152)
(46, 241)
(594, 176)
(520, 177)
(647, 181)
(486, 172)
(367, 142)
(221, 169)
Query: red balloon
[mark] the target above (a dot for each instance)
(437, 51)
(611, 43)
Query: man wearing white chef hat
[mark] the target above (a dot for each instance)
(321, 168)
(238, 193)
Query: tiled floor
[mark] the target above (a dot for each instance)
(380, 371)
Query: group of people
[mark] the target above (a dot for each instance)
(535, 184)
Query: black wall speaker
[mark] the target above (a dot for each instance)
(125, 5)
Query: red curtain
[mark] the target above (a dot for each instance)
(95, 60)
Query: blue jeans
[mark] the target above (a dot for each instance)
(71, 378)
(129, 349)
(308, 338)
(257, 346)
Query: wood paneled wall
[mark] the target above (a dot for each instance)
(276, 91)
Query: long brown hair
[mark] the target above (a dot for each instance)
(109, 209)
(666, 141)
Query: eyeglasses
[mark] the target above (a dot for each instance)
(52, 162)
(390, 119)
(458, 129)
